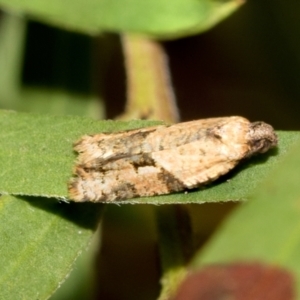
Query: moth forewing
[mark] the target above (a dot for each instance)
(164, 159)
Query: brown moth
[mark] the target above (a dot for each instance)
(164, 159)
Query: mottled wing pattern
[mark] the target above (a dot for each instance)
(163, 159)
(101, 148)
(197, 164)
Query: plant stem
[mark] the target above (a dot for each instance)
(175, 242)
(149, 91)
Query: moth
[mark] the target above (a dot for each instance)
(164, 159)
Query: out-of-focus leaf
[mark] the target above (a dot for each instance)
(12, 37)
(59, 102)
(39, 241)
(160, 18)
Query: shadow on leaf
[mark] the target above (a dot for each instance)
(86, 215)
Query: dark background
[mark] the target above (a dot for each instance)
(247, 65)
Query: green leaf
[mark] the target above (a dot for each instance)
(39, 241)
(160, 18)
(80, 283)
(36, 154)
(36, 158)
(267, 228)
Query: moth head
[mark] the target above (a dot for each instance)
(261, 137)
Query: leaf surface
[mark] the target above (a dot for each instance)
(39, 241)
(37, 159)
